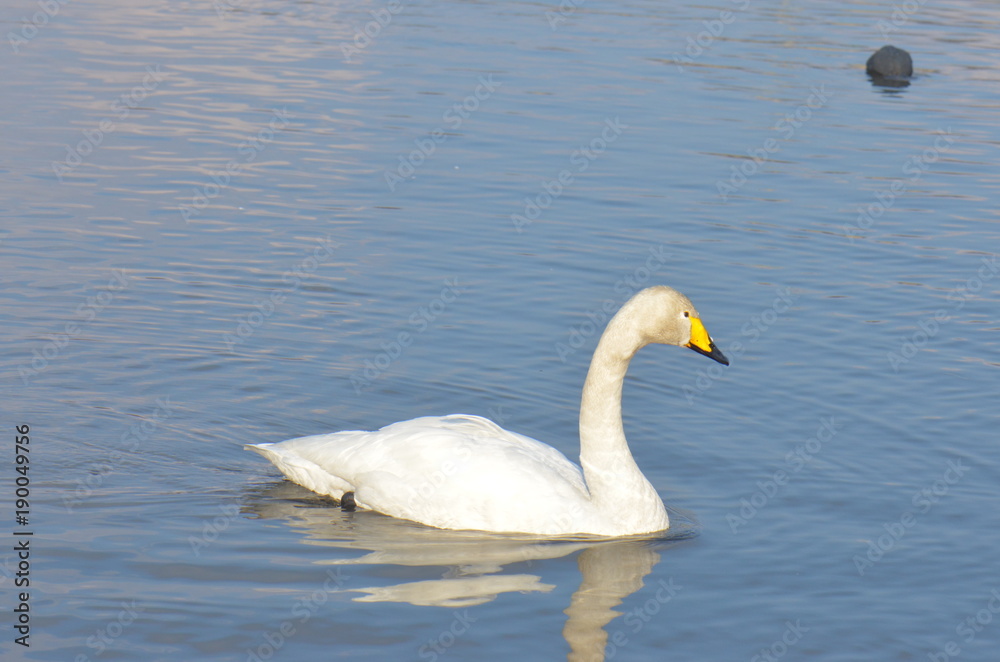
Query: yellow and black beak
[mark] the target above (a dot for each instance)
(702, 343)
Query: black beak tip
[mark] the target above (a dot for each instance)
(715, 353)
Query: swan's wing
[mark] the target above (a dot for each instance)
(452, 472)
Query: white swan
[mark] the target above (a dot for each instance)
(466, 472)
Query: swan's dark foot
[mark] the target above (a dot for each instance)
(347, 503)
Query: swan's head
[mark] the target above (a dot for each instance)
(668, 317)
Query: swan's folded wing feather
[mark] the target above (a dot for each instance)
(454, 471)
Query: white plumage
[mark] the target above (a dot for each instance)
(466, 472)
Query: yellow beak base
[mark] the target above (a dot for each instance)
(702, 343)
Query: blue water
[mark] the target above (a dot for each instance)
(219, 218)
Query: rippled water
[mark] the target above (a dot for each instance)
(218, 218)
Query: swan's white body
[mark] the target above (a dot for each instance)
(466, 472)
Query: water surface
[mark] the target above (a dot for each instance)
(218, 218)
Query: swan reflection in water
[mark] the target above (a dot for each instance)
(611, 570)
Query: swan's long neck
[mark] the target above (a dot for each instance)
(614, 480)
(602, 437)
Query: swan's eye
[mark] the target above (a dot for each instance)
(687, 314)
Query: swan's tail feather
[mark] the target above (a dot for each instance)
(302, 471)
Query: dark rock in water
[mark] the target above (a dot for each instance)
(890, 63)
